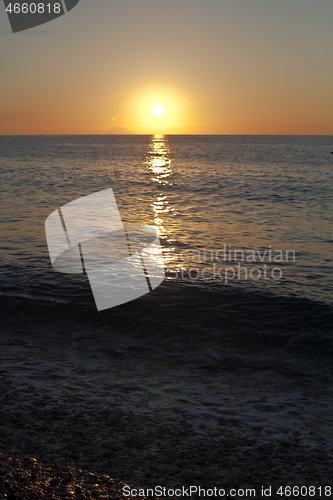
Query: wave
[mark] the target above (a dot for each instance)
(200, 315)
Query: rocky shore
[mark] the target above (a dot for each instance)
(52, 452)
(27, 478)
(69, 431)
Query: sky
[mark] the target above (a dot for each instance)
(216, 67)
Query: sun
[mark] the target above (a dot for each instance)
(158, 110)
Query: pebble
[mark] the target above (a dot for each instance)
(54, 482)
(40, 483)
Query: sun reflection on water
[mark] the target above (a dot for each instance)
(159, 164)
(159, 160)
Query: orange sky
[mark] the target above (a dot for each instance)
(217, 67)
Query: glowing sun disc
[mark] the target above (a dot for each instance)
(158, 110)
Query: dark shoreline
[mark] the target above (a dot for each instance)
(54, 423)
(39, 460)
(99, 449)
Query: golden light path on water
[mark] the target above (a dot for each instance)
(159, 164)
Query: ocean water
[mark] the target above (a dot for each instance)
(239, 335)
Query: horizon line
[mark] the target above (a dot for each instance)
(134, 134)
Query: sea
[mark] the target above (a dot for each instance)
(238, 336)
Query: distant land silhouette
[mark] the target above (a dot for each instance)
(119, 131)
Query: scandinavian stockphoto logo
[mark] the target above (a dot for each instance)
(25, 14)
(88, 236)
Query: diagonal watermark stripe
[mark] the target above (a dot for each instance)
(87, 235)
